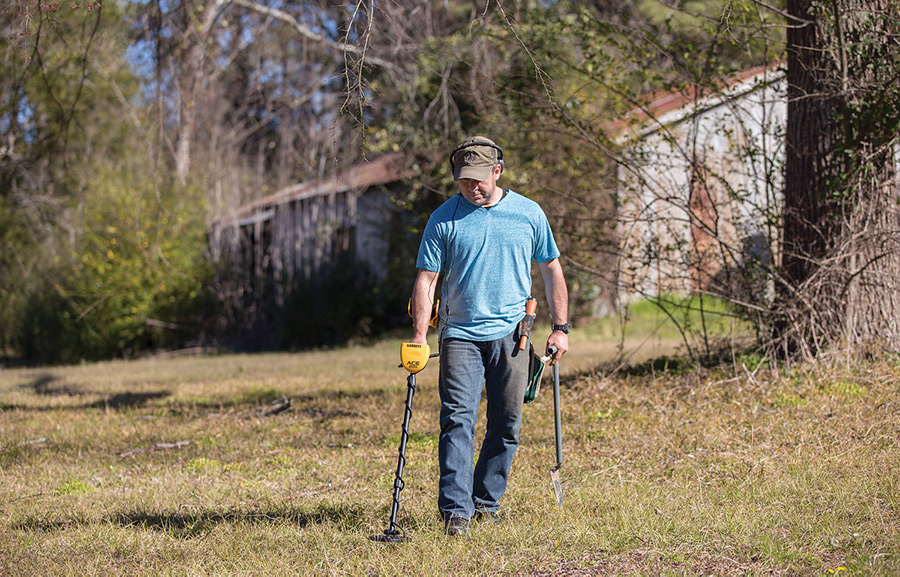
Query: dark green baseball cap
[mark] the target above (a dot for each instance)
(475, 158)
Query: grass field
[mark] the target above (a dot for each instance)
(170, 466)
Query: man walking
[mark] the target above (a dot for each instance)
(484, 240)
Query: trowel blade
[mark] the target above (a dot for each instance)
(557, 486)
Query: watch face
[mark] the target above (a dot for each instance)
(564, 328)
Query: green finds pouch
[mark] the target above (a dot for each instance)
(535, 371)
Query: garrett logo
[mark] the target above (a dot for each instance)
(470, 157)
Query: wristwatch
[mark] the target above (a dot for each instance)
(564, 328)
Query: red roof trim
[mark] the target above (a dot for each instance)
(661, 102)
(381, 170)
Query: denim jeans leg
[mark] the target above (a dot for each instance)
(506, 376)
(461, 381)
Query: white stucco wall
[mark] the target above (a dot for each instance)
(726, 152)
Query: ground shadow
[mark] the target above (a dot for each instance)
(323, 406)
(317, 405)
(127, 400)
(118, 401)
(43, 385)
(720, 354)
(328, 405)
(187, 525)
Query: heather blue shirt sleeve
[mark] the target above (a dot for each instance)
(432, 247)
(545, 248)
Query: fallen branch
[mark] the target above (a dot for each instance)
(266, 410)
(284, 405)
(40, 441)
(156, 447)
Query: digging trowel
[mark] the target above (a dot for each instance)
(554, 472)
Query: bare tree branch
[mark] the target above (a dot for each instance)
(312, 35)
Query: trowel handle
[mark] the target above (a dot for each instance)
(557, 418)
(527, 322)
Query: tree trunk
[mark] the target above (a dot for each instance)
(841, 247)
(191, 77)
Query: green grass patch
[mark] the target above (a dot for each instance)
(844, 388)
(203, 465)
(786, 400)
(258, 395)
(421, 441)
(73, 488)
(672, 316)
(606, 415)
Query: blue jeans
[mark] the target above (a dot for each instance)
(467, 367)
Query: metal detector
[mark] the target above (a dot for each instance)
(413, 358)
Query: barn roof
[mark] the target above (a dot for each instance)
(664, 108)
(371, 172)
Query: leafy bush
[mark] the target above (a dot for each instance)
(135, 279)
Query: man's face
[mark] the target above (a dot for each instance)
(485, 193)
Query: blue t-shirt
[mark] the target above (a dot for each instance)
(485, 254)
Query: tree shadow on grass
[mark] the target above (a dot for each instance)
(127, 400)
(119, 401)
(188, 525)
(719, 357)
(321, 405)
(43, 385)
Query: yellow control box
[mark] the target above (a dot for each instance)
(414, 356)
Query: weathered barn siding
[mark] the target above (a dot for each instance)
(296, 261)
(699, 191)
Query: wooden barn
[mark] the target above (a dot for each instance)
(316, 261)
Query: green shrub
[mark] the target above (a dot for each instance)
(135, 279)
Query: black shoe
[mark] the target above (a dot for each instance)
(493, 517)
(456, 526)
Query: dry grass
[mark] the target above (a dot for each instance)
(169, 466)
